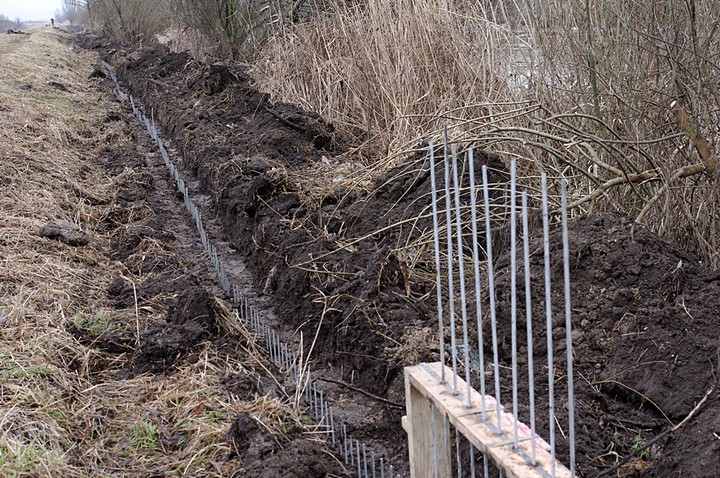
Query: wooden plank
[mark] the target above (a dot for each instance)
(428, 451)
(423, 381)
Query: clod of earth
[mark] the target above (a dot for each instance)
(64, 232)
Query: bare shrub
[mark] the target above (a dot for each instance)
(130, 21)
(621, 99)
(386, 72)
(6, 23)
(74, 11)
(235, 29)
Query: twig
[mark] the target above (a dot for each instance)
(364, 392)
(286, 121)
(692, 413)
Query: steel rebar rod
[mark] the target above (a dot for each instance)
(529, 327)
(476, 271)
(438, 276)
(568, 326)
(548, 321)
(461, 277)
(491, 292)
(513, 297)
(451, 291)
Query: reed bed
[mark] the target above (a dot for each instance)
(617, 98)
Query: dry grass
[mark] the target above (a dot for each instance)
(581, 91)
(63, 409)
(384, 72)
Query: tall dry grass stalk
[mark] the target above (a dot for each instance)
(580, 89)
(386, 72)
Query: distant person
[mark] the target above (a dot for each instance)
(52, 22)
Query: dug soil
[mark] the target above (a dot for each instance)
(332, 263)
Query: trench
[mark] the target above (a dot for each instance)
(363, 454)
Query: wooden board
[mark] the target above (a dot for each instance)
(423, 390)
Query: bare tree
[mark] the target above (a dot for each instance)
(5, 23)
(59, 16)
(132, 21)
(75, 11)
(236, 28)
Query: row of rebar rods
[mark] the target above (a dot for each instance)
(365, 464)
(455, 273)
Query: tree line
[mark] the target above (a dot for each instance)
(227, 28)
(8, 24)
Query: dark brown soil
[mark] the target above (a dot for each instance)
(176, 303)
(646, 331)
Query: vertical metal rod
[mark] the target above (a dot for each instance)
(451, 291)
(513, 296)
(476, 272)
(315, 399)
(359, 465)
(332, 426)
(352, 454)
(279, 356)
(274, 350)
(322, 410)
(472, 461)
(458, 461)
(529, 326)
(438, 276)
(266, 336)
(486, 467)
(382, 467)
(373, 464)
(568, 326)
(345, 443)
(461, 276)
(365, 462)
(548, 320)
(433, 411)
(491, 292)
(308, 387)
(446, 439)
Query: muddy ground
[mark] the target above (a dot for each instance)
(332, 260)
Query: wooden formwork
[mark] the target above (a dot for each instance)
(430, 451)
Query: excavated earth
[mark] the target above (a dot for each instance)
(645, 313)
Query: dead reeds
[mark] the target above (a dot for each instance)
(582, 91)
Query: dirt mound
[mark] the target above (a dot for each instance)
(645, 344)
(340, 262)
(190, 320)
(258, 452)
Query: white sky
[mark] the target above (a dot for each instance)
(29, 9)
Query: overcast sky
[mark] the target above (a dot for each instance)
(29, 9)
